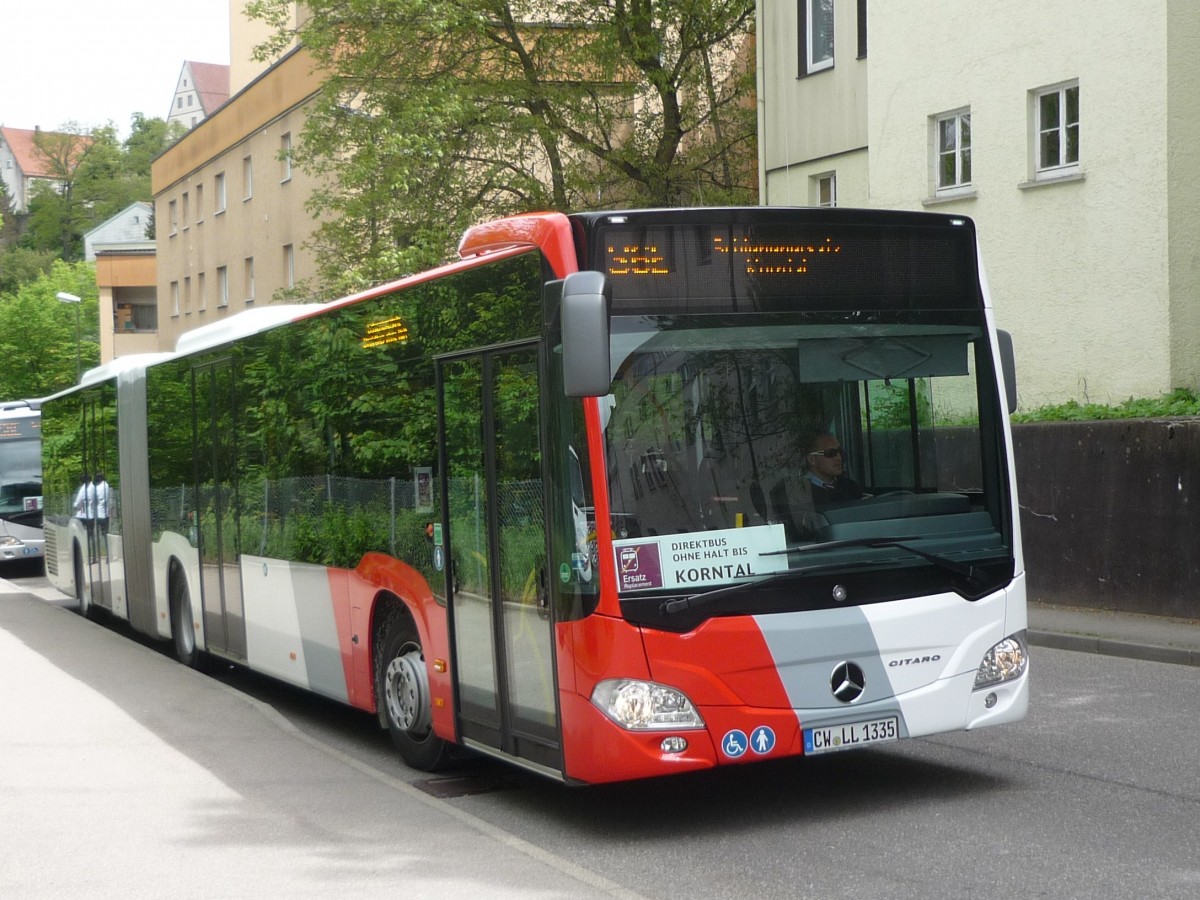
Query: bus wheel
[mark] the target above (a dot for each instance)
(82, 594)
(406, 702)
(183, 630)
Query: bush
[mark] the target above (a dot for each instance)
(1179, 402)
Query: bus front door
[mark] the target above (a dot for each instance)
(496, 547)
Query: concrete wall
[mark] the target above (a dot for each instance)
(1110, 514)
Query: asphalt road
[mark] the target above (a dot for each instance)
(1095, 795)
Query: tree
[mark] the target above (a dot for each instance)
(439, 112)
(94, 176)
(19, 265)
(56, 215)
(38, 333)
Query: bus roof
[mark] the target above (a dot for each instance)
(244, 324)
(18, 406)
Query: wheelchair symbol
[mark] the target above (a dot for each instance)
(734, 743)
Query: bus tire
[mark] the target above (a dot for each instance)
(183, 630)
(82, 592)
(403, 688)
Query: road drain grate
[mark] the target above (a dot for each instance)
(463, 785)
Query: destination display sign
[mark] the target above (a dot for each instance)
(774, 266)
(702, 559)
(20, 429)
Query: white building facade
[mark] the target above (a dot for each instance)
(1069, 130)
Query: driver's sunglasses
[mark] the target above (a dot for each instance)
(829, 454)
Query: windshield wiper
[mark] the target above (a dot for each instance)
(966, 570)
(707, 598)
(695, 601)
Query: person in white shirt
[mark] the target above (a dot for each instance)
(103, 503)
(85, 511)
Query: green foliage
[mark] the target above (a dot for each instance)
(890, 404)
(1179, 402)
(441, 112)
(96, 177)
(19, 265)
(38, 332)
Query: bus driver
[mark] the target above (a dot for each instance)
(826, 463)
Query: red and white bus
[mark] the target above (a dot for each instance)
(615, 495)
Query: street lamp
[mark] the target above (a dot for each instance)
(64, 297)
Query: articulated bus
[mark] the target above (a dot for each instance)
(20, 481)
(559, 501)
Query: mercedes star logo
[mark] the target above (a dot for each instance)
(848, 682)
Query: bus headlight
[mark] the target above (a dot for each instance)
(644, 705)
(1004, 662)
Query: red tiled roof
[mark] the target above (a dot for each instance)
(211, 81)
(33, 163)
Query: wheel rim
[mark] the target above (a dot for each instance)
(406, 691)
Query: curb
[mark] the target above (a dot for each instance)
(1082, 643)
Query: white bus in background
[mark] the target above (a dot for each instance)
(21, 535)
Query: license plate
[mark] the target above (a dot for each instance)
(828, 738)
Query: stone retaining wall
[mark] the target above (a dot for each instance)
(1110, 513)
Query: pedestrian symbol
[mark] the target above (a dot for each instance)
(762, 740)
(734, 743)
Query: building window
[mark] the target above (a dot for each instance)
(285, 157)
(823, 189)
(186, 216)
(952, 151)
(219, 190)
(816, 35)
(199, 203)
(289, 266)
(201, 293)
(1056, 126)
(174, 298)
(222, 286)
(131, 316)
(248, 177)
(173, 216)
(249, 279)
(187, 295)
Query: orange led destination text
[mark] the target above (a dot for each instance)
(635, 259)
(387, 331)
(775, 258)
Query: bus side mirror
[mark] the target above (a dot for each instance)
(1009, 365)
(586, 297)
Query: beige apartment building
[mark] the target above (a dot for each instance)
(1066, 129)
(229, 204)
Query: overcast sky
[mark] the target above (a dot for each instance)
(94, 62)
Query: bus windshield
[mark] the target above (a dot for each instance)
(20, 477)
(742, 448)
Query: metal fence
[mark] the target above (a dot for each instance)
(334, 520)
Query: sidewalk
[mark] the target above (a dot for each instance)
(129, 776)
(1132, 635)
